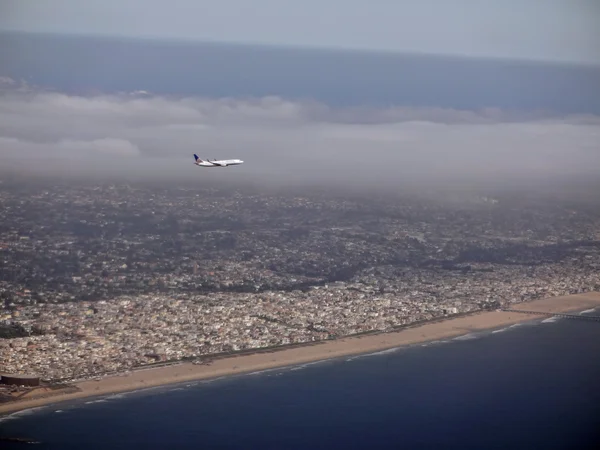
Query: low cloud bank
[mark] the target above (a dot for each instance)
(285, 141)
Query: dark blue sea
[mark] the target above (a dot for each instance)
(531, 386)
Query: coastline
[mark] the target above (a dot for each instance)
(349, 346)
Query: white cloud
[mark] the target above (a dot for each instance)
(282, 138)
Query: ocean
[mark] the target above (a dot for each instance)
(83, 64)
(533, 385)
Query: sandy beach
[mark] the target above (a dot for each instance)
(450, 328)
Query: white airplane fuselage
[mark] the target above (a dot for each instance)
(217, 162)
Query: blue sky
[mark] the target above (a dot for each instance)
(557, 30)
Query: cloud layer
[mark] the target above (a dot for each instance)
(285, 140)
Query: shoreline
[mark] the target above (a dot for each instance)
(310, 352)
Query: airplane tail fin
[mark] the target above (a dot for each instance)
(196, 158)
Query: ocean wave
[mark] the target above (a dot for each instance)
(427, 344)
(119, 396)
(159, 388)
(379, 353)
(19, 414)
(304, 366)
(551, 319)
(91, 402)
(210, 380)
(386, 352)
(588, 311)
(261, 372)
(530, 323)
(466, 337)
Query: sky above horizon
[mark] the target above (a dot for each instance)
(552, 30)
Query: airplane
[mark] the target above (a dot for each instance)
(217, 163)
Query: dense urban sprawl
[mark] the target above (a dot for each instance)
(102, 278)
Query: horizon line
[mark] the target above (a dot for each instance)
(297, 47)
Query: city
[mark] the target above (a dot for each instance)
(105, 278)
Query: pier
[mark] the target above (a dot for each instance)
(561, 315)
